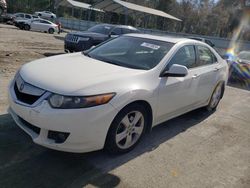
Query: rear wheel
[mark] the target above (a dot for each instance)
(26, 27)
(215, 98)
(51, 31)
(127, 129)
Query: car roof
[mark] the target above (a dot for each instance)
(126, 26)
(170, 39)
(121, 26)
(244, 51)
(196, 38)
(42, 20)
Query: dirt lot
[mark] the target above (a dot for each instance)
(18, 47)
(195, 150)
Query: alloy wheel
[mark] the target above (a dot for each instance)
(130, 129)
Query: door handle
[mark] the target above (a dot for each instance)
(195, 76)
(216, 69)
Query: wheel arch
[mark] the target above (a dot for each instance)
(148, 108)
(149, 117)
(223, 88)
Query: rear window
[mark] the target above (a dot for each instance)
(103, 29)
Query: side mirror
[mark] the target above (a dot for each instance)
(176, 71)
(113, 34)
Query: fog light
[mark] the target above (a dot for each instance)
(58, 137)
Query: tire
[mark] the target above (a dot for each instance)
(26, 27)
(39, 15)
(215, 98)
(51, 31)
(130, 123)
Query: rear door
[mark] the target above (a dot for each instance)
(208, 69)
(44, 25)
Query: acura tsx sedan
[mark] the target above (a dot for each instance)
(110, 96)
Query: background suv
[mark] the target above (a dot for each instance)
(80, 41)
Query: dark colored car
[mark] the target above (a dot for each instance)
(203, 40)
(240, 67)
(80, 41)
(8, 18)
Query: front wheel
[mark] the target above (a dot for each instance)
(51, 31)
(127, 129)
(215, 98)
(26, 27)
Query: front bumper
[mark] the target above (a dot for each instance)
(87, 127)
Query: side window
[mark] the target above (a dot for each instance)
(185, 56)
(116, 31)
(206, 57)
(36, 21)
(127, 30)
(44, 22)
(27, 16)
(20, 15)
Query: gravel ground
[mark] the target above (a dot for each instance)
(195, 150)
(18, 47)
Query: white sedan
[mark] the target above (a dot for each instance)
(40, 25)
(111, 95)
(46, 14)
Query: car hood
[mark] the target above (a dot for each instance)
(88, 34)
(70, 74)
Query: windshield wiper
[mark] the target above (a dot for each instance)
(121, 64)
(86, 53)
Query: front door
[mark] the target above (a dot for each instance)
(35, 25)
(178, 93)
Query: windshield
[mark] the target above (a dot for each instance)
(132, 52)
(244, 55)
(103, 29)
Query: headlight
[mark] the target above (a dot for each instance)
(69, 102)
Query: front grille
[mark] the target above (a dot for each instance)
(72, 38)
(25, 98)
(30, 126)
